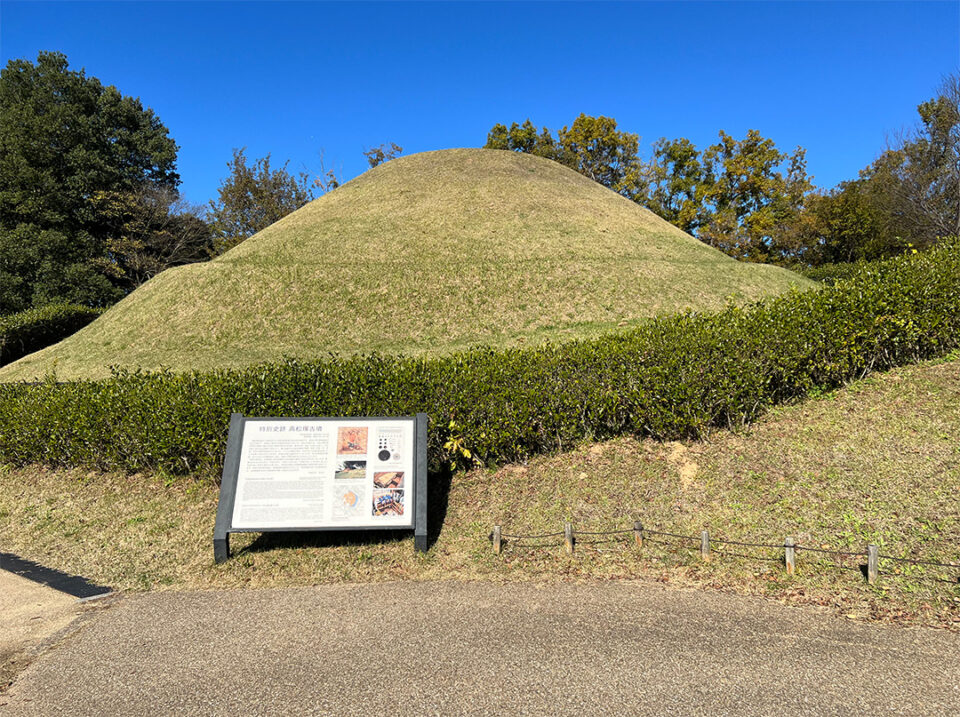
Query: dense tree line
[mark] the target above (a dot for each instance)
(756, 202)
(88, 180)
(89, 201)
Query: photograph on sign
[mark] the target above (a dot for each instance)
(323, 473)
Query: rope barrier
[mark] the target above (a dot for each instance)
(830, 551)
(645, 532)
(531, 537)
(911, 561)
(671, 535)
(749, 545)
(603, 532)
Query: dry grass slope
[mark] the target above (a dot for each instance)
(878, 461)
(426, 253)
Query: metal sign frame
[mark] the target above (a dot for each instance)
(231, 469)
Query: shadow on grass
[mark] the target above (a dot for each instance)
(438, 498)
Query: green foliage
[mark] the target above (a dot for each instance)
(64, 137)
(525, 138)
(152, 230)
(595, 148)
(744, 197)
(34, 329)
(673, 377)
(591, 145)
(752, 196)
(831, 273)
(43, 266)
(252, 197)
(850, 224)
(674, 179)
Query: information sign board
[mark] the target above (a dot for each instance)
(293, 474)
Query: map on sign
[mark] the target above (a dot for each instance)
(325, 473)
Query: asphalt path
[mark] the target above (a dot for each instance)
(30, 614)
(481, 648)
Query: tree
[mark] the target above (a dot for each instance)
(383, 153)
(64, 137)
(44, 266)
(252, 197)
(591, 145)
(919, 176)
(908, 197)
(525, 138)
(753, 194)
(848, 224)
(153, 229)
(596, 149)
(674, 179)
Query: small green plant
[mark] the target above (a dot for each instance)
(457, 449)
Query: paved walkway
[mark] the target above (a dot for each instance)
(456, 648)
(30, 614)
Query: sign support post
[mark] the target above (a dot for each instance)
(420, 525)
(231, 465)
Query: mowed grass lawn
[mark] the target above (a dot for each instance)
(877, 461)
(425, 254)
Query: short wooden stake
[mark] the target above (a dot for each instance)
(568, 536)
(705, 545)
(873, 563)
(497, 543)
(638, 533)
(790, 555)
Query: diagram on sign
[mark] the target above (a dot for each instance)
(389, 442)
(348, 502)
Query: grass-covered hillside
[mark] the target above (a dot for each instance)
(426, 253)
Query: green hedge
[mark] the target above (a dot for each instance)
(830, 274)
(670, 378)
(34, 329)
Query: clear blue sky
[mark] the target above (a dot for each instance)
(295, 78)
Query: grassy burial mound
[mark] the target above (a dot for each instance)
(424, 254)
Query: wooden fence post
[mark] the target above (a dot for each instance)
(568, 536)
(497, 544)
(705, 545)
(789, 555)
(873, 563)
(638, 533)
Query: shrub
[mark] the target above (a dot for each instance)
(830, 274)
(34, 329)
(673, 377)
